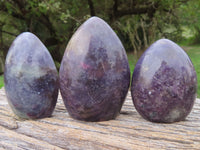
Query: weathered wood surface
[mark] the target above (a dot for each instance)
(128, 131)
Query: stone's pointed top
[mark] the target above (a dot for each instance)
(94, 31)
(27, 47)
(164, 40)
(95, 20)
(28, 35)
(95, 17)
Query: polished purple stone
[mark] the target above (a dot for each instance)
(94, 73)
(164, 83)
(31, 78)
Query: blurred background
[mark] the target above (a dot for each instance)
(138, 23)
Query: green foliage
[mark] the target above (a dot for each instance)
(1, 81)
(190, 17)
(194, 54)
(132, 60)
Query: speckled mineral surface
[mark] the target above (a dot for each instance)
(94, 73)
(31, 78)
(164, 83)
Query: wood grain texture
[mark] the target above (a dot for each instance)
(127, 131)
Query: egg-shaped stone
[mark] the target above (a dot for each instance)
(164, 83)
(94, 73)
(31, 78)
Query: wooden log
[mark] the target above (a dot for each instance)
(128, 131)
